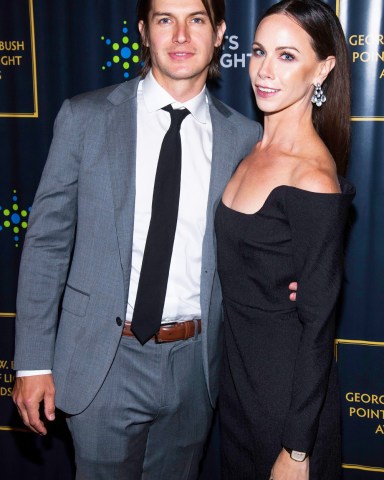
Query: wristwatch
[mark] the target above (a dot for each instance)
(295, 455)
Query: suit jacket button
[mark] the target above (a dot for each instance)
(119, 321)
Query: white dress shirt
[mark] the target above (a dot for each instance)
(182, 301)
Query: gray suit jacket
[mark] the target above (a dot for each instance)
(76, 262)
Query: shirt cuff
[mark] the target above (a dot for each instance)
(30, 373)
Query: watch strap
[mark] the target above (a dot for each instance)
(296, 455)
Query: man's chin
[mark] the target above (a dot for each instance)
(186, 73)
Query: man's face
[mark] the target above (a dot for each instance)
(181, 41)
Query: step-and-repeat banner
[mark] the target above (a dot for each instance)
(53, 49)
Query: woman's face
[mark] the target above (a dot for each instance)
(283, 67)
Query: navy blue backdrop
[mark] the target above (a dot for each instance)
(54, 49)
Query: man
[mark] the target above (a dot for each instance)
(136, 409)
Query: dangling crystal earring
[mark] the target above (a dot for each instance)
(318, 96)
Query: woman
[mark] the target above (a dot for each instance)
(282, 217)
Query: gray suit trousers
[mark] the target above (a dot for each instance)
(150, 418)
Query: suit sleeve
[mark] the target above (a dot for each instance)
(317, 224)
(47, 247)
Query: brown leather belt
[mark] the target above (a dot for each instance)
(170, 332)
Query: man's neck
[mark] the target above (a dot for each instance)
(181, 90)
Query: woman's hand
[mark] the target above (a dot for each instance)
(287, 469)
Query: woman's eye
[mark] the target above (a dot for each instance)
(287, 56)
(258, 52)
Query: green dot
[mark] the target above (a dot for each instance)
(115, 46)
(135, 46)
(116, 59)
(24, 224)
(16, 230)
(6, 212)
(7, 224)
(15, 207)
(16, 245)
(14, 191)
(125, 40)
(103, 68)
(102, 38)
(135, 59)
(126, 65)
(24, 213)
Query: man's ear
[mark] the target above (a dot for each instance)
(220, 30)
(326, 67)
(143, 33)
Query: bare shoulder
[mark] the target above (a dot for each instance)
(317, 173)
(318, 180)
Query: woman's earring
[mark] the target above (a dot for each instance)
(318, 96)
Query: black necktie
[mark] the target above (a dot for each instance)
(149, 305)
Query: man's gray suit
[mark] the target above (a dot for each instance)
(79, 242)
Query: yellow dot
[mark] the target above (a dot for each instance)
(24, 224)
(125, 40)
(116, 59)
(126, 65)
(136, 59)
(135, 46)
(15, 207)
(24, 213)
(6, 212)
(16, 230)
(7, 224)
(115, 46)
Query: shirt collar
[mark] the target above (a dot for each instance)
(156, 97)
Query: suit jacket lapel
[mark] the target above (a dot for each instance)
(122, 128)
(224, 161)
(223, 149)
(224, 156)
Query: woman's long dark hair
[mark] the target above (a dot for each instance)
(332, 119)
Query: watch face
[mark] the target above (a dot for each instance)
(298, 456)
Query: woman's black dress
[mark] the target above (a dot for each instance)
(279, 384)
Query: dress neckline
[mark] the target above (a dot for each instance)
(346, 189)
